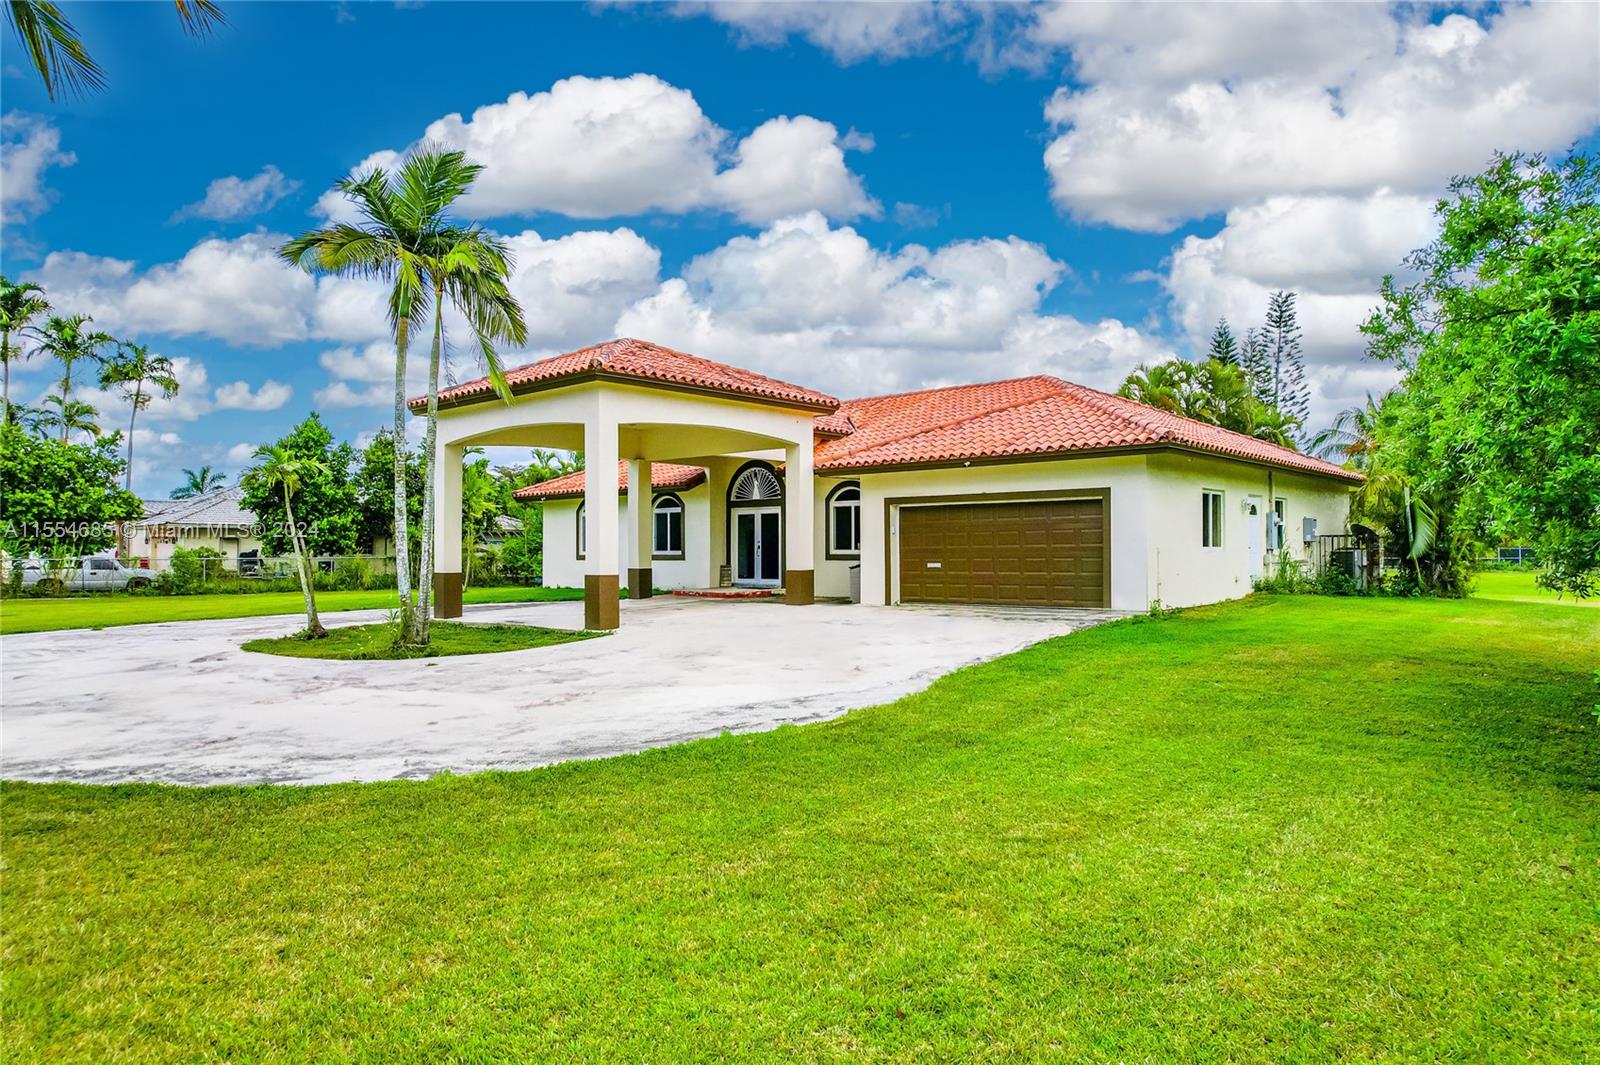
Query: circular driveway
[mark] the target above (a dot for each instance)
(180, 702)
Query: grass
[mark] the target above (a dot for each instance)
(1517, 586)
(371, 642)
(107, 609)
(1287, 829)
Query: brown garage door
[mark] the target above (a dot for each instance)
(1029, 554)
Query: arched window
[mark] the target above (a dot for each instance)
(583, 530)
(757, 484)
(668, 527)
(844, 521)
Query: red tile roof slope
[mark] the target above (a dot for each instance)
(1028, 416)
(640, 359)
(668, 475)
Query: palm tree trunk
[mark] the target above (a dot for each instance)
(66, 392)
(429, 516)
(308, 591)
(402, 530)
(5, 369)
(127, 482)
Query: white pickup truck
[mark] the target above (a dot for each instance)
(91, 573)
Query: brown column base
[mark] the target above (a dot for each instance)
(799, 587)
(600, 606)
(639, 583)
(446, 595)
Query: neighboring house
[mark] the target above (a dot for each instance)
(214, 520)
(1032, 491)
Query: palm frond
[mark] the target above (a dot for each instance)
(54, 48)
(199, 17)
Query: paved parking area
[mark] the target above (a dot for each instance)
(180, 702)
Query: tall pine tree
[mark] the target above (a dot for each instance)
(1224, 348)
(1283, 384)
(1253, 360)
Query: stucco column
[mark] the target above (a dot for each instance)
(640, 529)
(600, 513)
(799, 572)
(447, 460)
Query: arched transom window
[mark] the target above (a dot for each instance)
(757, 484)
(668, 527)
(844, 521)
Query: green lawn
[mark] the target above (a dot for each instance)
(100, 611)
(1287, 829)
(1517, 586)
(373, 642)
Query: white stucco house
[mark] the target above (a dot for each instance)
(216, 519)
(1032, 491)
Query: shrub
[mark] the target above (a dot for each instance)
(349, 575)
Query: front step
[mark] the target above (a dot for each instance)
(726, 593)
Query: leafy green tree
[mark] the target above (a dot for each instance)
(1498, 336)
(484, 498)
(282, 473)
(1224, 347)
(325, 498)
(1214, 392)
(58, 54)
(21, 303)
(199, 482)
(374, 485)
(1253, 359)
(60, 497)
(131, 371)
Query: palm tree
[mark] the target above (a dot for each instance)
(470, 271)
(58, 54)
(280, 469)
(403, 236)
(1165, 386)
(72, 415)
(199, 482)
(132, 369)
(35, 420)
(20, 304)
(1353, 436)
(68, 341)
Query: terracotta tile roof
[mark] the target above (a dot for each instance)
(640, 360)
(1023, 417)
(667, 475)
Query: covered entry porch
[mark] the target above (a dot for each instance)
(627, 405)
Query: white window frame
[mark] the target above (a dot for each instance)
(666, 505)
(837, 502)
(1213, 506)
(582, 520)
(1280, 523)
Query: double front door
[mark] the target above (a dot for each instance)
(757, 547)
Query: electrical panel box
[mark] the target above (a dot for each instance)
(1308, 530)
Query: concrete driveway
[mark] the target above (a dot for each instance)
(180, 702)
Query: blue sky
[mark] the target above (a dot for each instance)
(858, 199)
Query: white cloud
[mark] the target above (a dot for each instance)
(819, 305)
(238, 395)
(849, 31)
(29, 147)
(232, 198)
(1190, 111)
(241, 454)
(234, 290)
(604, 147)
(572, 288)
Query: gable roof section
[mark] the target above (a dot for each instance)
(1029, 417)
(668, 476)
(639, 361)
